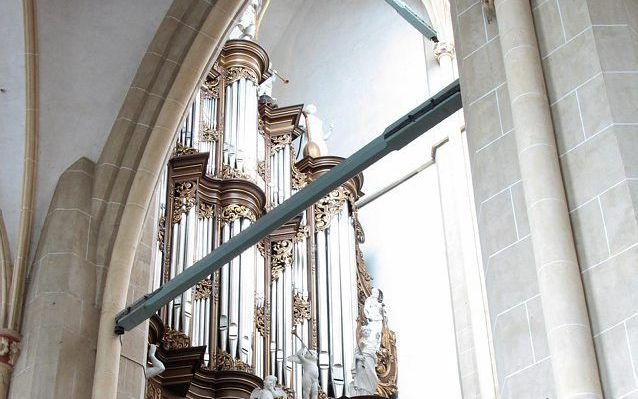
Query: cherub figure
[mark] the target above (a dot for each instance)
(310, 372)
(270, 391)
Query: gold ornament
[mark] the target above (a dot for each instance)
(279, 142)
(260, 322)
(181, 150)
(236, 73)
(209, 135)
(183, 200)
(329, 206)
(174, 339)
(281, 257)
(203, 289)
(232, 173)
(225, 362)
(300, 309)
(153, 390)
(233, 212)
(161, 232)
(386, 369)
(205, 211)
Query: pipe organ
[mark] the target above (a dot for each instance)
(302, 286)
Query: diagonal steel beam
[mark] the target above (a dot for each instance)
(413, 19)
(395, 137)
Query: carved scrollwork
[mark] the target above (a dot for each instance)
(205, 211)
(211, 87)
(203, 289)
(153, 390)
(386, 369)
(279, 142)
(181, 150)
(225, 362)
(281, 257)
(300, 309)
(216, 286)
(183, 200)
(261, 247)
(161, 232)
(260, 322)
(358, 228)
(208, 135)
(329, 206)
(299, 179)
(233, 212)
(261, 169)
(232, 173)
(236, 73)
(302, 234)
(175, 340)
(364, 281)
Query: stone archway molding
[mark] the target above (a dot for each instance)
(192, 33)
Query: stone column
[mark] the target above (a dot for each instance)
(566, 317)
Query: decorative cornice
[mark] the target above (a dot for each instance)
(245, 54)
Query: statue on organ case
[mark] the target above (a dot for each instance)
(270, 391)
(365, 362)
(310, 372)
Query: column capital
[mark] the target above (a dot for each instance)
(442, 49)
(9, 347)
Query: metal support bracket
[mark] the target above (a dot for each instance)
(413, 19)
(396, 136)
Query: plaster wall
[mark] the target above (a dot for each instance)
(591, 88)
(89, 53)
(12, 115)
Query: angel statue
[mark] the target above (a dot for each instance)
(374, 311)
(365, 361)
(315, 136)
(158, 367)
(310, 372)
(270, 391)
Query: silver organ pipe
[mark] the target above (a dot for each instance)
(265, 305)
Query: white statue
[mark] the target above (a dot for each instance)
(365, 362)
(248, 21)
(158, 367)
(310, 372)
(316, 138)
(270, 391)
(374, 311)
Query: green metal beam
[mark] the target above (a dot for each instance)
(395, 137)
(413, 19)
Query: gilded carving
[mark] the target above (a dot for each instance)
(261, 247)
(300, 309)
(208, 135)
(161, 232)
(387, 370)
(329, 206)
(225, 362)
(183, 200)
(358, 228)
(153, 390)
(232, 173)
(9, 349)
(364, 286)
(203, 289)
(216, 286)
(261, 169)
(260, 322)
(299, 179)
(236, 73)
(181, 150)
(302, 234)
(281, 257)
(210, 89)
(279, 142)
(205, 211)
(175, 340)
(233, 212)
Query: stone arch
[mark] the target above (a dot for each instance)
(191, 34)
